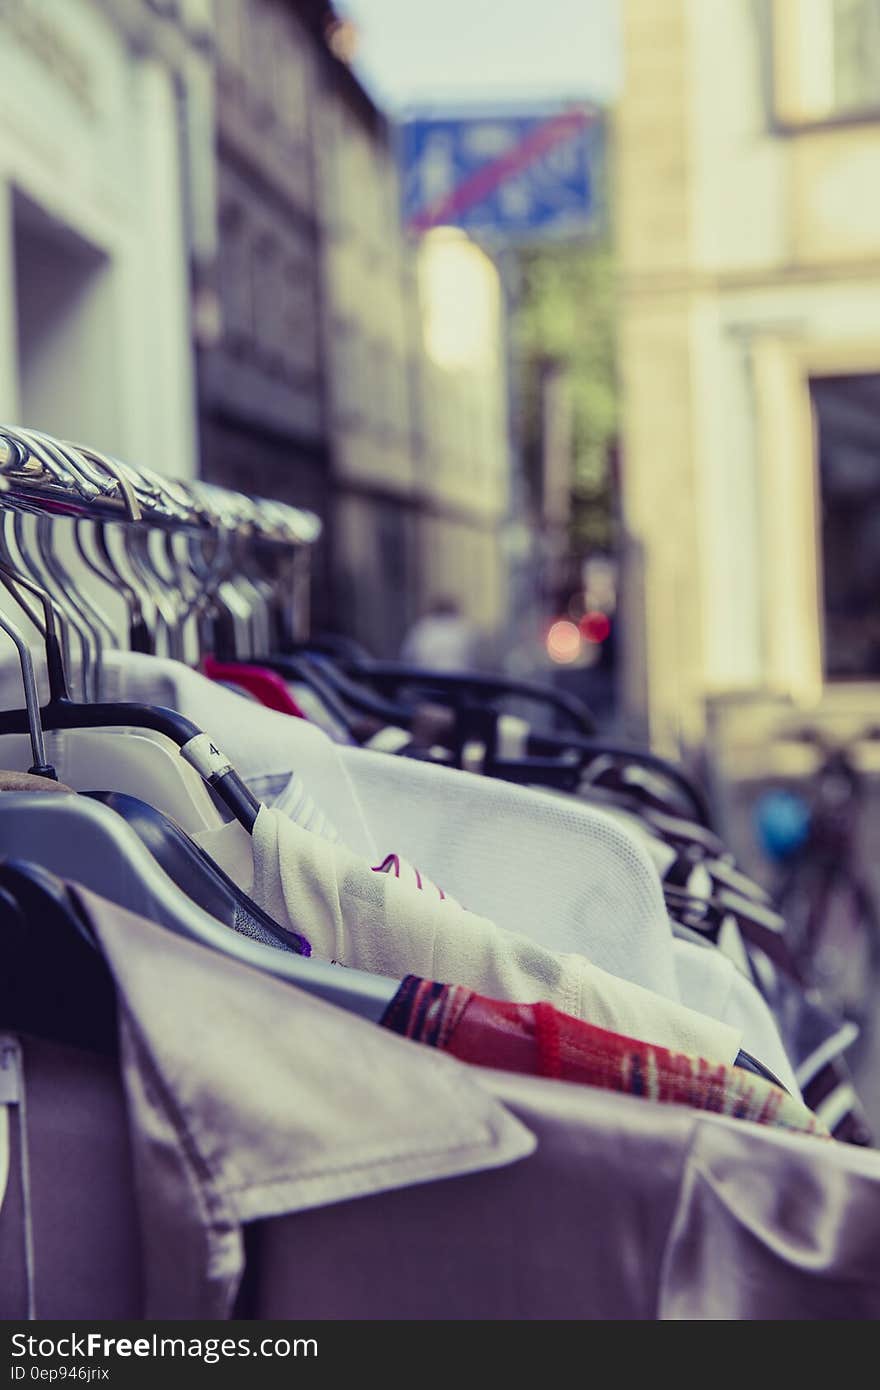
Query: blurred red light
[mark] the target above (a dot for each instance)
(594, 626)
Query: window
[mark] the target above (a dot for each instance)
(228, 30)
(856, 54)
(268, 298)
(236, 282)
(826, 59)
(347, 367)
(300, 326)
(291, 78)
(847, 415)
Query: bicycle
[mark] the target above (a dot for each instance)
(832, 921)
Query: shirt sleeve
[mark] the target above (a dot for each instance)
(379, 923)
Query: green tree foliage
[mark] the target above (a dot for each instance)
(566, 315)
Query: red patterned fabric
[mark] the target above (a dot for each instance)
(539, 1040)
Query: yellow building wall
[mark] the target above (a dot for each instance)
(748, 226)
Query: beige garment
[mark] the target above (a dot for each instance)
(616, 1209)
(249, 1098)
(378, 923)
(624, 1211)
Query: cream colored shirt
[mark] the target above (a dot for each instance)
(379, 923)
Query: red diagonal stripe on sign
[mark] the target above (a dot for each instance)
(486, 179)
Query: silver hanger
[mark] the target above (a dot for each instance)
(31, 698)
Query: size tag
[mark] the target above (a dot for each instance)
(206, 757)
(10, 1070)
(4, 1152)
(513, 737)
(473, 755)
(10, 1094)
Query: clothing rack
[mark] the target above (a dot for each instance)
(261, 544)
(41, 473)
(221, 910)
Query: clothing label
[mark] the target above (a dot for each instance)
(4, 1152)
(513, 737)
(206, 757)
(10, 1070)
(10, 1094)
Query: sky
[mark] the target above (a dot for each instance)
(430, 53)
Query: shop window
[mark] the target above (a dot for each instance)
(847, 416)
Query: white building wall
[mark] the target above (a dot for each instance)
(90, 148)
(738, 182)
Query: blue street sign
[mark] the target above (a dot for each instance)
(503, 177)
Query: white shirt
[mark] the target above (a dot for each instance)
(710, 982)
(381, 923)
(545, 866)
(448, 823)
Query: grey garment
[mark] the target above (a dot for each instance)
(246, 924)
(360, 1175)
(83, 1215)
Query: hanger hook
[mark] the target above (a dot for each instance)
(40, 766)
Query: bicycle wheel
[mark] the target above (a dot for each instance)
(801, 902)
(844, 962)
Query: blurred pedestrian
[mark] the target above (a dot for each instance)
(444, 639)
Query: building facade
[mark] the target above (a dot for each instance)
(748, 222)
(258, 321)
(461, 432)
(95, 340)
(315, 381)
(370, 315)
(204, 271)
